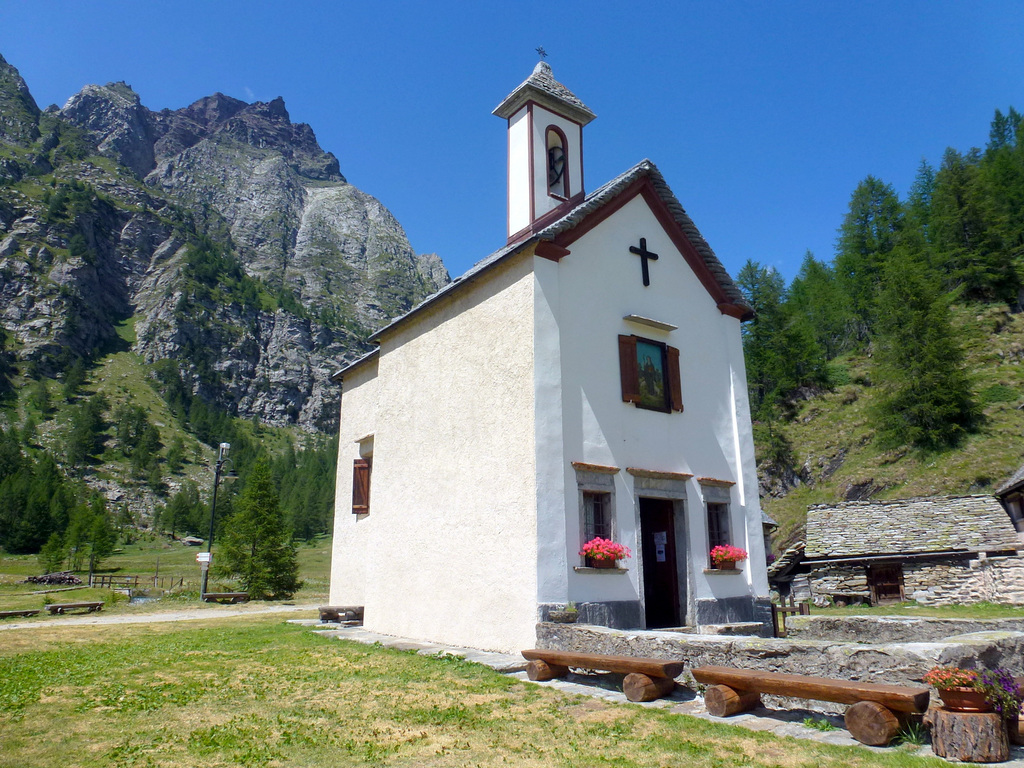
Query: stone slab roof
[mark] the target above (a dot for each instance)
(542, 87)
(571, 218)
(1016, 480)
(902, 526)
(786, 562)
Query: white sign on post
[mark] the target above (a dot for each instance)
(204, 559)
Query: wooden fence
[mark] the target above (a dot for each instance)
(134, 582)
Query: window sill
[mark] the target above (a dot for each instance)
(587, 569)
(722, 570)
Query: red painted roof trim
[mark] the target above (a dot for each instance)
(551, 216)
(644, 187)
(548, 250)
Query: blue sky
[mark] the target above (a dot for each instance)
(762, 116)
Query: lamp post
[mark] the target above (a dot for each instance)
(222, 460)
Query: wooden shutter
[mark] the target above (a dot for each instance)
(360, 487)
(675, 382)
(628, 372)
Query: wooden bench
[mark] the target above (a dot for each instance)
(10, 614)
(64, 607)
(231, 597)
(341, 613)
(646, 679)
(873, 719)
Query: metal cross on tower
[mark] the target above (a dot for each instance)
(644, 255)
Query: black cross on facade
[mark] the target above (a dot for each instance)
(644, 255)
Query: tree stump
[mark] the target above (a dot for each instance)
(722, 701)
(1016, 731)
(638, 687)
(974, 737)
(538, 670)
(871, 723)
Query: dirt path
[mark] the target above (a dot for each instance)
(306, 610)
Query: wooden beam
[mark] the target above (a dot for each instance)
(872, 724)
(620, 664)
(899, 698)
(723, 701)
(639, 687)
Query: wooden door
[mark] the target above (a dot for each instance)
(661, 579)
(886, 583)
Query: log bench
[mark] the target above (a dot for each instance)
(231, 597)
(63, 607)
(646, 679)
(11, 614)
(873, 719)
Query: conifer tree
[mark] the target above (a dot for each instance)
(927, 401)
(869, 232)
(817, 302)
(967, 249)
(90, 535)
(86, 436)
(255, 546)
(781, 353)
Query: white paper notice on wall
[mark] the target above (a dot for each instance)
(660, 540)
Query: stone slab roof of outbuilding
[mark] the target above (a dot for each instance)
(591, 204)
(786, 562)
(1016, 480)
(901, 526)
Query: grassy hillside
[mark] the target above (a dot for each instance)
(124, 378)
(833, 442)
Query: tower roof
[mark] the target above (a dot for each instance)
(542, 87)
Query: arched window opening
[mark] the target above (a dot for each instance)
(558, 171)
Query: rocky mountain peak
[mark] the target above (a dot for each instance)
(244, 255)
(209, 110)
(113, 116)
(19, 113)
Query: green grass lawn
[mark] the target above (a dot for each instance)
(151, 556)
(259, 692)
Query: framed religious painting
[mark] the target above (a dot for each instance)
(651, 368)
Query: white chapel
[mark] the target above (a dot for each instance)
(586, 379)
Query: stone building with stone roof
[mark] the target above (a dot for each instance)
(586, 379)
(936, 550)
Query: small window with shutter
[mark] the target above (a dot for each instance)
(361, 486)
(649, 373)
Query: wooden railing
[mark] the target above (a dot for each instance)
(779, 613)
(135, 582)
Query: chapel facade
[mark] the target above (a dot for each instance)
(586, 379)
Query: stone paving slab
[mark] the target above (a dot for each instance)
(782, 723)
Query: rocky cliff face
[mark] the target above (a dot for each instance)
(104, 204)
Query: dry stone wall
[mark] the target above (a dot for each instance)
(841, 579)
(894, 663)
(994, 580)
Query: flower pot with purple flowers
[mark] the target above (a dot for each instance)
(973, 690)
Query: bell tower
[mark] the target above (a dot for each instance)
(545, 150)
